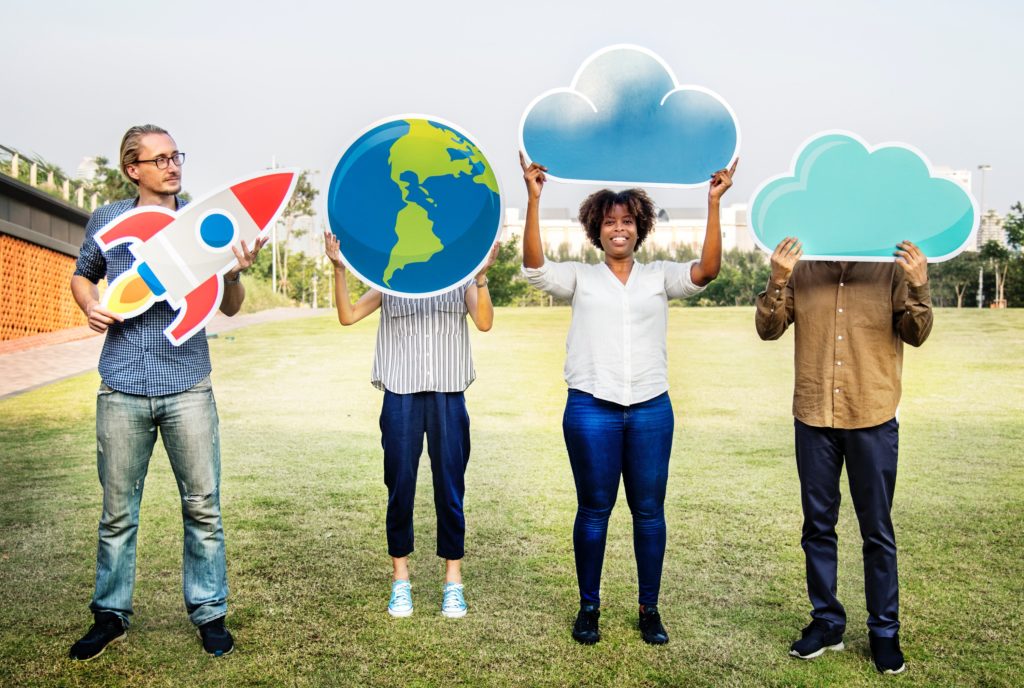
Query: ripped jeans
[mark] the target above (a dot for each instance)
(126, 430)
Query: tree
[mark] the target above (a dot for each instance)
(954, 278)
(110, 184)
(504, 281)
(1014, 226)
(998, 259)
(300, 205)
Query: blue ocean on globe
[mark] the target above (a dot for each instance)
(415, 206)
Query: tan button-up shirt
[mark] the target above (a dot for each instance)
(851, 321)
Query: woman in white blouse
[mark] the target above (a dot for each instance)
(618, 418)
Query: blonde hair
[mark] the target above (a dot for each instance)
(130, 146)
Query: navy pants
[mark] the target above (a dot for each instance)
(606, 440)
(404, 419)
(870, 455)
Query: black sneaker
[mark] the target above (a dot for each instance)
(887, 654)
(650, 626)
(217, 641)
(107, 628)
(584, 631)
(816, 638)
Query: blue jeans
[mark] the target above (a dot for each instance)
(870, 455)
(606, 440)
(126, 430)
(404, 419)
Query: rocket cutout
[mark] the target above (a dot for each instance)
(181, 257)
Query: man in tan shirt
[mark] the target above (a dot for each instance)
(851, 320)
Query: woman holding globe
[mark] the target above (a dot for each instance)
(618, 418)
(423, 364)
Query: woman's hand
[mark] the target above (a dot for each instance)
(332, 247)
(491, 257)
(720, 182)
(534, 176)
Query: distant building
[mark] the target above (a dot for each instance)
(675, 227)
(991, 229)
(87, 169)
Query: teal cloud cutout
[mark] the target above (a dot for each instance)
(848, 201)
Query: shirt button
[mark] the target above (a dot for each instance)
(776, 291)
(840, 310)
(837, 390)
(839, 363)
(840, 337)
(841, 284)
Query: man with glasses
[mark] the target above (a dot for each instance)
(148, 383)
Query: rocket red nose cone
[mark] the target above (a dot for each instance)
(264, 195)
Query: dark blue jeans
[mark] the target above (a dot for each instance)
(606, 440)
(870, 455)
(404, 419)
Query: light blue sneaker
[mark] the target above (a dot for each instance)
(401, 599)
(453, 604)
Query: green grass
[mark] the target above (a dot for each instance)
(304, 501)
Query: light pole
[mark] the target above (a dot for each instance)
(981, 270)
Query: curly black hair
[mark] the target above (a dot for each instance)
(596, 206)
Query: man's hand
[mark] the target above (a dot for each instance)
(245, 257)
(785, 257)
(914, 263)
(100, 318)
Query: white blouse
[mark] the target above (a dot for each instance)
(616, 348)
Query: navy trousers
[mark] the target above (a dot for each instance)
(870, 455)
(605, 441)
(404, 419)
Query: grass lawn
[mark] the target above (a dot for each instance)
(303, 503)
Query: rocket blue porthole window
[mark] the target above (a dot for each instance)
(216, 230)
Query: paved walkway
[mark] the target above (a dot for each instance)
(23, 369)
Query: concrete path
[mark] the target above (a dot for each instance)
(24, 369)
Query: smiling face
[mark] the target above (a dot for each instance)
(151, 179)
(618, 232)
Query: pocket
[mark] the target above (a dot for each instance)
(203, 386)
(402, 317)
(450, 316)
(104, 389)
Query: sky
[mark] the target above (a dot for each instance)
(241, 84)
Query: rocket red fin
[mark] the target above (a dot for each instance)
(137, 225)
(265, 196)
(200, 305)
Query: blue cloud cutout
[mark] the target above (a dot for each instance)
(847, 201)
(625, 120)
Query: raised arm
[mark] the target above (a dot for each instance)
(533, 250)
(912, 301)
(348, 313)
(234, 291)
(775, 304)
(706, 269)
(478, 297)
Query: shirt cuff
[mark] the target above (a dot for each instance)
(921, 294)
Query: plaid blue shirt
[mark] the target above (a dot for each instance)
(137, 357)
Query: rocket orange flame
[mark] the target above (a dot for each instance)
(129, 294)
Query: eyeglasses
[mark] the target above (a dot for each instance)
(163, 161)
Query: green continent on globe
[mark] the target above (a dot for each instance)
(423, 151)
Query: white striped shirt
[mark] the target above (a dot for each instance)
(423, 344)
